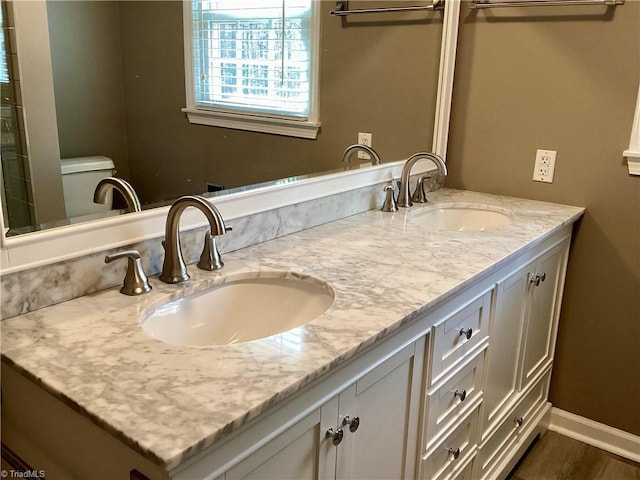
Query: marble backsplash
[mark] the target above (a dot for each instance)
(29, 290)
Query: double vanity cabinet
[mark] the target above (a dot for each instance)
(457, 388)
(458, 394)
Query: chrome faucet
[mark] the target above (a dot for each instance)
(124, 187)
(404, 198)
(174, 269)
(346, 156)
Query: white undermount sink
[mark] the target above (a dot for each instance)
(245, 307)
(461, 217)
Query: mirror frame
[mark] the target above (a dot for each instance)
(46, 247)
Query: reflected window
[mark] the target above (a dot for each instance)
(4, 69)
(254, 58)
(288, 342)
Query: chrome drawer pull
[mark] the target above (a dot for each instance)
(518, 421)
(466, 332)
(461, 394)
(454, 453)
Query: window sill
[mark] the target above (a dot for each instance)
(276, 126)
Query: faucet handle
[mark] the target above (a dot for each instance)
(389, 204)
(419, 195)
(135, 280)
(210, 258)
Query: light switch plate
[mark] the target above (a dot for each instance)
(545, 166)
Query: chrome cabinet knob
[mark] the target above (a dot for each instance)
(335, 436)
(518, 421)
(461, 394)
(454, 453)
(468, 332)
(538, 278)
(353, 423)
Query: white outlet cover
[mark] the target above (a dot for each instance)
(364, 139)
(545, 166)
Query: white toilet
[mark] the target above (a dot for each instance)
(79, 179)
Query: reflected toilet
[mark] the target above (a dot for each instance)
(79, 179)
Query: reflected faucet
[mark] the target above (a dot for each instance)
(404, 199)
(124, 187)
(174, 269)
(346, 156)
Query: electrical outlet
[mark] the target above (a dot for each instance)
(545, 166)
(364, 139)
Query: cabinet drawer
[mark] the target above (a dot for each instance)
(453, 452)
(518, 420)
(459, 334)
(453, 399)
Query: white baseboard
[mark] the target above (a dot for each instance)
(597, 434)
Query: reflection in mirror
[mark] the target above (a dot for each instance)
(104, 187)
(119, 88)
(17, 202)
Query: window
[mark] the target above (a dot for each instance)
(253, 65)
(4, 69)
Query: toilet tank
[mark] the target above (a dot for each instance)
(79, 179)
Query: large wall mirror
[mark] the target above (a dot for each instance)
(388, 74)
(118, 86)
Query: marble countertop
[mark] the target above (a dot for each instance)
(92, 354)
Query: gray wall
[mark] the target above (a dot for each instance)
(565, 79)
(87, 72)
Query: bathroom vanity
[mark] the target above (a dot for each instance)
(433, 362)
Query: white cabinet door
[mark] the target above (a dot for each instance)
(520, 355)
(523, 330)
(501, 382)
(543, 312)
(385, 401)
(382, 410)
(300, 453)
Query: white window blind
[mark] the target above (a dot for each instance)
(253, 56)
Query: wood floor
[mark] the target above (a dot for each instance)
(556, 457)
